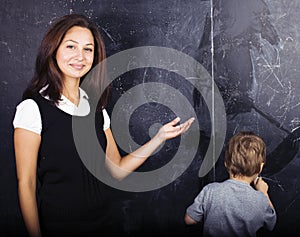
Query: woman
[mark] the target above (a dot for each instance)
(69, 199)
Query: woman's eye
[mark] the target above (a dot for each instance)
(70, 47)
(89, 49)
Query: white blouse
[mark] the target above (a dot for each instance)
(28, 115)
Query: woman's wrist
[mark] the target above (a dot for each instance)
(158, 139)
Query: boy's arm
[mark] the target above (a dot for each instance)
(194, 213)
(189, 220)
(262, 186)
(270, 214)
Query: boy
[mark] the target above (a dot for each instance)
(233, 207)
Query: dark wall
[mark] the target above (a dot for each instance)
(256, 68)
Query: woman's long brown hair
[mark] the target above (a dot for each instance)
(47, 71)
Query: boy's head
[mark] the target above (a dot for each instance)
(245, 154)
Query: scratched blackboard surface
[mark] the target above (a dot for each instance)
(256, 64)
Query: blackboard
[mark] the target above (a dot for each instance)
(264, 53)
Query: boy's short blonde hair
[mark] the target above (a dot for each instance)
(245, 153)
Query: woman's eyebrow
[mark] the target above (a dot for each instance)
(74, 41)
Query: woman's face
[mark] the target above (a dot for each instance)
(75, 55)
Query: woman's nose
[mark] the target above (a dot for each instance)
(80, 54)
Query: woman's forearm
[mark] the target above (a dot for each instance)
(121, 167)
(29, 209)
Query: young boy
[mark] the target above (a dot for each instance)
(233, 207)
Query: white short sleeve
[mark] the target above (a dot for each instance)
(106, 118)
(28, 116)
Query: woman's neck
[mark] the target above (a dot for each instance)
(71, 91)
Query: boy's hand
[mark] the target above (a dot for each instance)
(261, 185)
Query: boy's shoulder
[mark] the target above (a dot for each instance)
(215, 186)
(227, 185)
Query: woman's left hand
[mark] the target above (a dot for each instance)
(171, 130)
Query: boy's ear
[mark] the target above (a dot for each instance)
(261, 167)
